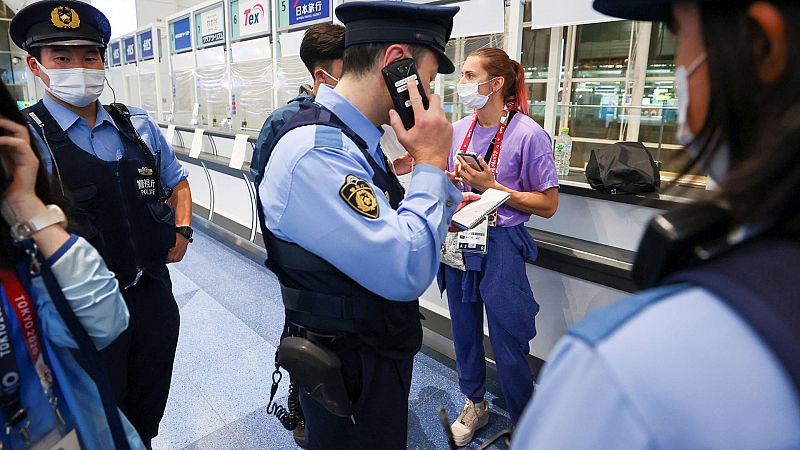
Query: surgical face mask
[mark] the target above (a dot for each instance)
(331, 77)
(78, 87)
(470, 97)
(682, 74)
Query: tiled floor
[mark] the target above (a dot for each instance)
(231, 317)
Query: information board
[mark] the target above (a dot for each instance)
(210, 26)
(301, 13)
(145, 45)
(180, 35)
(116, 53)
(129, 46)
(249, 18)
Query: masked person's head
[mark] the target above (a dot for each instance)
(321, 52)
(65, 41)
(380, 33)
(489, 73)
(738, 79)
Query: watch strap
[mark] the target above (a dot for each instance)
(25, 230)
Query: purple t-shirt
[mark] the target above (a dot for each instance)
(526, 159)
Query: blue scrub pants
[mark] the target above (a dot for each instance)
(499, 282)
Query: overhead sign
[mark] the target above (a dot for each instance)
(146, 45)
(180, 35)
(300, 13)
(129, 46)
(548, 14)
(116, 53)
(210, 26)
(249, 18)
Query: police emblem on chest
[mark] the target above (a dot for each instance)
(146, 184)
(358, 194)
(65, 17)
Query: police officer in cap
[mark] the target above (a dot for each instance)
(351, 249)
(125, 190)
(711, 357)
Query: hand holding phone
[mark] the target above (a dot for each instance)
(472, 160)
(397, 75)
(431, 136)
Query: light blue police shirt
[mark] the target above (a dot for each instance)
(395, 255)
(685, 372)
(105, 140)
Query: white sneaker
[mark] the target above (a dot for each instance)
(471, 419)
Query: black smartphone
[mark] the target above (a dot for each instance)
(472, 160)
(397, 75)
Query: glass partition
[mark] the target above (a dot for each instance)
(149, 95)
(183, 96)
(252, 91)
(212, 95)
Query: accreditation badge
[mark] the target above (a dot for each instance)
(451, 255)
(474, 240)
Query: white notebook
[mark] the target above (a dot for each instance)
(473, 213)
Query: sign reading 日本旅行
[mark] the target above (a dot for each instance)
(115, 53)
(129, 46)
(180, 35)
(298, 13)
(249, 18)
(210, 26)
(146, 45)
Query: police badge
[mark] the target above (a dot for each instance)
(358, 194)
(65, 17)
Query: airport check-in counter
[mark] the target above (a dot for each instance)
(586, 251)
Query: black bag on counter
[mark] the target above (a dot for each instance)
(623, 168)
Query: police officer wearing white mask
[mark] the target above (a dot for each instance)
(709, 357)
(124, 189)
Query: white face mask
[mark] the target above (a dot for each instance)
(682, 74)
(78, 87)
(470, 97)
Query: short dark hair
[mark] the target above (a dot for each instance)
(322, 44)
(361, 58)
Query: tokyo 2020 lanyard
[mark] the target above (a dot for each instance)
(497, 142)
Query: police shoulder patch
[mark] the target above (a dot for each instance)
(358, 194)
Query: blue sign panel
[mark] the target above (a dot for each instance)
(181, 35)
(129, 45)
(304, 11)
(146, 45)
(116, 53)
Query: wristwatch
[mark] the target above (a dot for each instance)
(186, 232)
(25, 230)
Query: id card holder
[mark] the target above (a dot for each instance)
(474, 240)
(54, 440)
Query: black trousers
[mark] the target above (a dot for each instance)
(139, 362)
(380, 387)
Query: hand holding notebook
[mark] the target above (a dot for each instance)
(472, 214)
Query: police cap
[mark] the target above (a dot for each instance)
(59, 22)
(399, 22)
(648, 10)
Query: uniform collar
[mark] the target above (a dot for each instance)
(352, 117)
(66, 118)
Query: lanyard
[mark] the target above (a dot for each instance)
(497, 142)
(25, 311)
(10, 399)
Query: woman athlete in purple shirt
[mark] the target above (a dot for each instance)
(520, 162)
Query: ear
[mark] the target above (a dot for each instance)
(498, 84)
(319, 77)
(772, 57)
(33, 65)
(394, 52)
